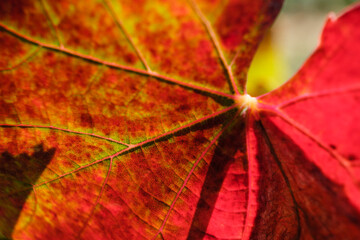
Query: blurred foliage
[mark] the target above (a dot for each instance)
(316, 5)
(268, 68)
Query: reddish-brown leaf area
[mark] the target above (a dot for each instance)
(130, 120)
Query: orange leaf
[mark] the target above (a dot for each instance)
(130, 120)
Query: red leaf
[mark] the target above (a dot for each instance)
(123, 120)
(312, 131)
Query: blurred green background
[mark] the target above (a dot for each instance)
(291, 40)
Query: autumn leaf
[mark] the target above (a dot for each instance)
(123, 120)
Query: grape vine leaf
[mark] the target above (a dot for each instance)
(123, 120)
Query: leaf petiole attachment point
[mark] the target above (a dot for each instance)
(246, 102)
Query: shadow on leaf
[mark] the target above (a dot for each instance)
(296, 199)
(230, 151)
(17, 175)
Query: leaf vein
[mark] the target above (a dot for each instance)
(63, 130)
(217, 136)
(345, 164)
(22, 61)
(118, 66)
(318, 95)
(97, 200)
(134, 146)
(214, 40)
(126, 34)
(52, 25)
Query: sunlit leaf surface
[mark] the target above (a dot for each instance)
(130, 120)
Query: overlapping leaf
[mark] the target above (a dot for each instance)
(123, 120)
